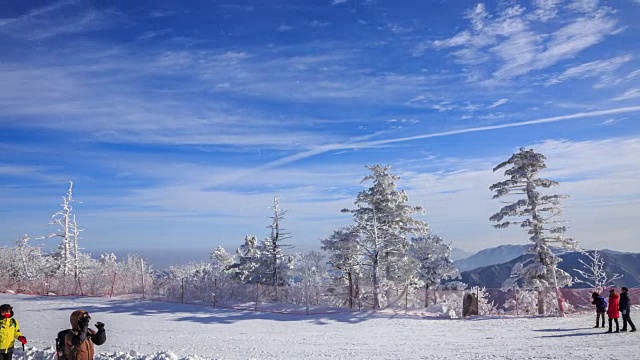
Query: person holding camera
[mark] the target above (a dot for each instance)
(80, 340)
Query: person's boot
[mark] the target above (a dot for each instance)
(623, 330)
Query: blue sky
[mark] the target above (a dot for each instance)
(179, 122)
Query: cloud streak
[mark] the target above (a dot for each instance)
(376, 143)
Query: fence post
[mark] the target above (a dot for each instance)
(142, 273)
(113, 284)
(257, 295)
(515, 290)
(478, 299)
(215, 290)
(406, 298)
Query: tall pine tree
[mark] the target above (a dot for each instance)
(535, 212)
(383, 220)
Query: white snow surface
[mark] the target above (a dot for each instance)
(153, 330)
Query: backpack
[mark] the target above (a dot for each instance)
(60, 343)
(602, 302)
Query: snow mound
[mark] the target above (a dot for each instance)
(50, 354)
(442, 311)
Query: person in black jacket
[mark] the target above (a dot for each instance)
(601, 308)
(625, 310)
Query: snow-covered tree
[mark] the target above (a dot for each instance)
(311, 277)
(345, 257)
(384, 221)
(67, 231)
(265, 262)
(247, 260)
(221, 260)
(79, 261)
(434, 261)
(274, 265)
(535, 212)
(30, 258)
(594, 273)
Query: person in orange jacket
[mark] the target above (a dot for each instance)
(9, 332)
(79, 342)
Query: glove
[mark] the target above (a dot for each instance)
(22, 339)
(84, 321)
(100, 325)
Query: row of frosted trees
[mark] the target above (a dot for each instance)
(385, 255)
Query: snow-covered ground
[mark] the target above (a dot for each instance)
(163, 331)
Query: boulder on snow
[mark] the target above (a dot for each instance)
(469, 305)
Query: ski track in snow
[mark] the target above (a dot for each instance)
(148, 330)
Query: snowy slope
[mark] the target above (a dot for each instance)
(164, 329)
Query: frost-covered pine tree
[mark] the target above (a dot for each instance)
(220, 261)
(274, 265)
(595, 274)
(265, 262)
(434, 261)
(345, 257)
(68, 232)
(384, 221)
(247, 260)
(535, 212)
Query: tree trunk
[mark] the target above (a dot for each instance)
(541, 294)
(426, 296)
(350, 290)
(376, 283)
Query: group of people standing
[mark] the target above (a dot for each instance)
(76, 344)
(618, 304)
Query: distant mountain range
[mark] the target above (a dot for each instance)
(492, 276)
(491, 256)
(458, 254)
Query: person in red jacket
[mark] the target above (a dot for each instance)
(613, 312)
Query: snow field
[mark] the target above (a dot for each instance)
(167, 331)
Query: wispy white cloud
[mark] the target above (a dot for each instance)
(633, 75)
(49, 22)
(337, 2)
(376, 143)
(611, 121)
(602, 69)
(513, 38)
(546, 9)
(628, 95)
(498, 103)
(584, 6)
(284, 28)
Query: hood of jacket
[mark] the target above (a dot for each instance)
(75, 316)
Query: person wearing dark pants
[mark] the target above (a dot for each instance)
(601, 308)
(625, 310)
(9, 332)
(613, 311)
